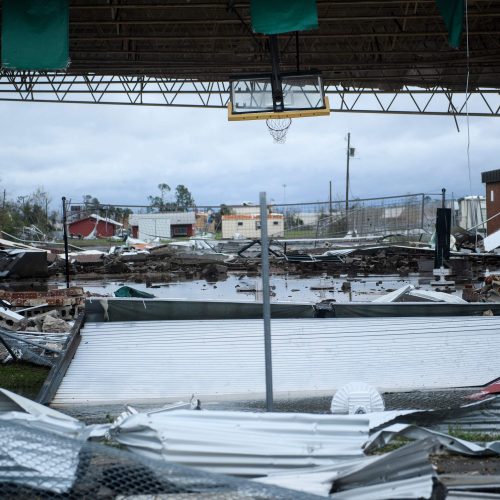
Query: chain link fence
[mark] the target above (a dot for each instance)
(36, 464)
(410, 216)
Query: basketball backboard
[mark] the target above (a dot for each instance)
(252, 97)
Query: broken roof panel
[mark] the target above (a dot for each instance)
(165, 360)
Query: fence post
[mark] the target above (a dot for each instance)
(266, 301)
(422, 212)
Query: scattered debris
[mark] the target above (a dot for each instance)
(128, 291)
(408, 293)
(23, 263)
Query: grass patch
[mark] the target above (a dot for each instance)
(99, 242)
(297, 233)
(396, 443)
(459, 433)
(23, 378)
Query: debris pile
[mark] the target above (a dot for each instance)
(287, 455)
(34, 326)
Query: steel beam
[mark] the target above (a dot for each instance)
(157, 91)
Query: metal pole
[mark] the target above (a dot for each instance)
(266, 301)
(65, 232)
(330, 199)
(347, 181)
(278, 104)
(422, 213)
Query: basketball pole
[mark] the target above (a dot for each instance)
(266, 300)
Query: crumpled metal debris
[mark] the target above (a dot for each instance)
(403, 473)
(243, 443)
(385, 436)
(24, 411)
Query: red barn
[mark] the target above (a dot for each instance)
(93, 226)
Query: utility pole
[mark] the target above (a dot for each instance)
(330, 199)
(347, 181)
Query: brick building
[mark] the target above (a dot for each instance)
(492, 181)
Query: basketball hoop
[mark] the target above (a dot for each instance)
(278, 128)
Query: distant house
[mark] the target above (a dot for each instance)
(248, 225)
(167, 225)
(492, 181)
(93, 226)
(246, 209)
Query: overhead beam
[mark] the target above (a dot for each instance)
(189, 93)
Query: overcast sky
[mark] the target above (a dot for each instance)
(120, 154)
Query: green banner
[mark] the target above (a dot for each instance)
(281, 16)
(453, 15)
(35, 34)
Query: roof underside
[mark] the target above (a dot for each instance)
(378, 43)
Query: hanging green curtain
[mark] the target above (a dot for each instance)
(452, 12)
(35, 34)
(281, 16)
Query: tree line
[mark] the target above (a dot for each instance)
(27, 216)
(182, 201)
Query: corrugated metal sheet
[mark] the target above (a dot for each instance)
(170, 360)
(243, 443)
(451, 443)
(403, 473)
(482, 421)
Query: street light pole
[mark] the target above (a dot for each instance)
(347, 181)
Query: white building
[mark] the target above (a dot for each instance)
(248, 225)
(307, 218)
(472, 212)
(168, 225)
(246, 209)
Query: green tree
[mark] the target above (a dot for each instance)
(28, 216)
(183, 198)
(160, 203)
(92, 205)
(223, 210)
(164, 189)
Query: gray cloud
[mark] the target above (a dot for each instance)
(120, 154)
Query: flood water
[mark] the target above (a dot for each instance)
(284, 288)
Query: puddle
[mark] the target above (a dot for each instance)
(283, 288)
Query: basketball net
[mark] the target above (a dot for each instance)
(278, 128)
